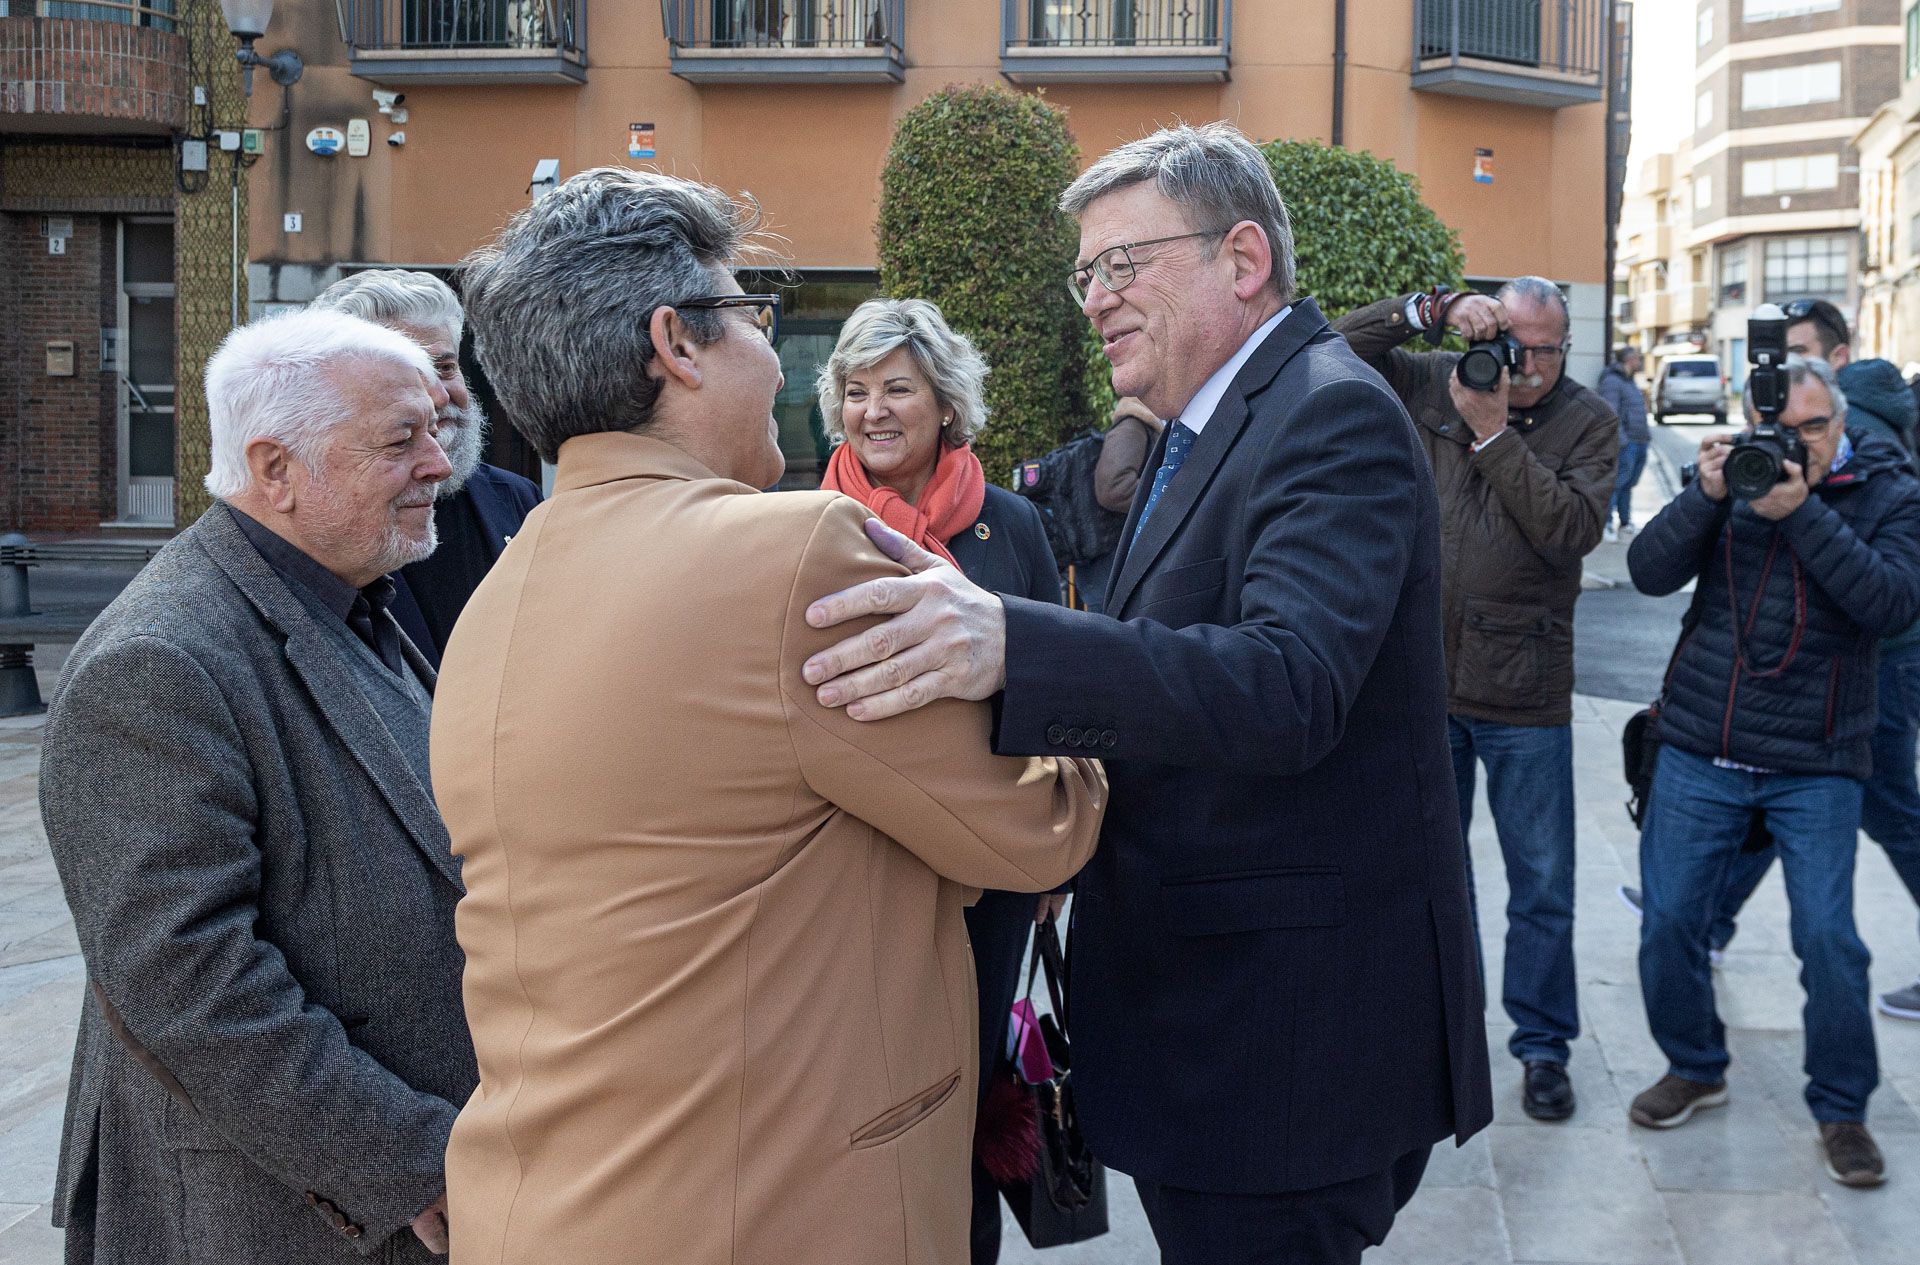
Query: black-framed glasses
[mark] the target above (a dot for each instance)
(764, 308)
(1545, 353)
(1115, 267)
(1821, 313)
(1812, 428)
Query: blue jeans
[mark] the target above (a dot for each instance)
(1696, 819)
(1890, 802)
(1530, 787)
(1633, 460)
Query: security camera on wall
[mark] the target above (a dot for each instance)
(387, 100)
(397, 139)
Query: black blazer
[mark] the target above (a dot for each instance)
(501, 500)
(1274, 980)
(1013, 555)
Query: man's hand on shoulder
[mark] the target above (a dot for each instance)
(430, 1227)
(947, 637)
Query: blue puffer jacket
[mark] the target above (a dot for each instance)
(1778, 655)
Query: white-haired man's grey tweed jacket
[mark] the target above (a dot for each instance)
(264, 896)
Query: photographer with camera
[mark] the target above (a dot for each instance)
(1524, 460)
(1805, 542)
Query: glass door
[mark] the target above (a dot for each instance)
(146, 371)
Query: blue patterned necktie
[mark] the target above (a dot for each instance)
(1179, 444)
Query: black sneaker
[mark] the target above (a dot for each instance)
(1672, 1100)
(1545, 1091)
(1852, 1158)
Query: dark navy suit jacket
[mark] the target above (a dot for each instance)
(501, 501)
(1274, 983)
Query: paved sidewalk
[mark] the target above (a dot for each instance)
(1737, 1186)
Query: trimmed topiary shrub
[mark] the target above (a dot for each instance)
(968, 220)
(1360, 231)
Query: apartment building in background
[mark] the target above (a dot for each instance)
(417, 126)
(1889, 149)
(1664, 280)
(1781, 90)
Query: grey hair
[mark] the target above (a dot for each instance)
(396, 296)
(561, 301)
(948, 359)
(281, 377)
(1540, 291)
(1799, 369)
(1213, 171)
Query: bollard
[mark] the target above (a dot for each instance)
(19, 687)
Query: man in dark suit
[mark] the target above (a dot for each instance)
(1276, 1006)
(480, 506)
(235, 788)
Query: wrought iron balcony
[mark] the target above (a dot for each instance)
(786, 41)
(1115, 41)
(467, 41)
(1549, 53)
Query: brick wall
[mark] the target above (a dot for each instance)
(54, 69)
(58, 451)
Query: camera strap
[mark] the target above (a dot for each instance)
(1742, 630)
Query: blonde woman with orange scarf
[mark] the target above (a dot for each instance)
(902, 393)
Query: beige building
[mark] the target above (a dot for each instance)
(1670, 302)
(1889, 149)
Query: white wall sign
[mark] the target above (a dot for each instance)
(359, 137)
(325, 141)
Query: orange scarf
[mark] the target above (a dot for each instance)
(949, 504)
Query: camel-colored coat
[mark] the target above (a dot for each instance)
(717, 975)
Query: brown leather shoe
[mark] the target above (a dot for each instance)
(1673, 1099)
(1851, 1156)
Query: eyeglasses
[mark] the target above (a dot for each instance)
(1812, 428)
(764, 308)
(1547, 354)
(1819, 313)
(1115, 267)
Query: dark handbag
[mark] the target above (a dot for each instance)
(1065, 1200)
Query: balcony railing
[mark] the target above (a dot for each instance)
(1115, 41)
(1528, 52)
(468, 41)
(786, 41)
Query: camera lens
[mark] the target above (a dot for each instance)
(1480, 369)
(1751, 471)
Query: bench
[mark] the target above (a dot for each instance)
(21, 625)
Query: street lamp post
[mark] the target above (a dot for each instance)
(248, 19)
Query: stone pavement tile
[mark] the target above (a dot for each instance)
(1446, 1226)
(32, 1240)
(12, 1213)
(1468, 1165)
(55, 941)
(1882, 1225)
(1128, 1241)
(1597, 1102)
(1735, 1148)
(1717, 1228)
(1579, 1194)
(29, 1153)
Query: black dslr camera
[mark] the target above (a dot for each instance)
(1758, 460)
(1480, 367)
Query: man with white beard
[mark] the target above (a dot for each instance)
(481, 506)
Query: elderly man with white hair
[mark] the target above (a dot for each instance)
(235, 787)
(481, 507)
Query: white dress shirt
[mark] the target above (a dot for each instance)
(1201, 407)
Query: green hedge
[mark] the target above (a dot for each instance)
(1360, 230)
(968, 220)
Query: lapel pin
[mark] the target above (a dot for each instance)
(982, 530)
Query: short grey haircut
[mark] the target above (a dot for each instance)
(1543, 293)
(948, 360)
(396, 296)
(560, 302)
(1799, 369)
(281, 377)
(1214, 172)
